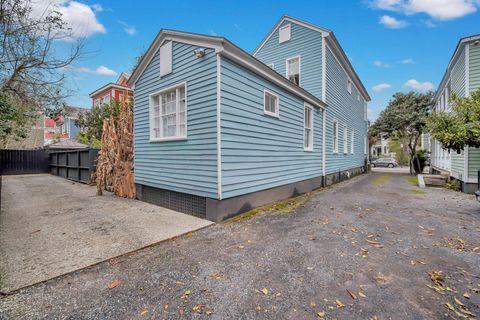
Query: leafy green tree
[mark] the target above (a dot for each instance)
(405, 117)
(460, 127)
(32, 64)
(91, 123)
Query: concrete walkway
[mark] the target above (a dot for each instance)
(50, 226)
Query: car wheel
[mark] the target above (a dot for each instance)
(390, 165)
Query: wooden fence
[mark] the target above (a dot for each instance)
(77, 165)
(23, 162)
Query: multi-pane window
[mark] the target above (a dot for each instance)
(335, 136)
(293, 70)
(345, 139)
(270, 103)
(168, 114)
(308, 129)
(352, 141)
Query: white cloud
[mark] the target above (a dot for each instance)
(101, 70)
(79, 17)
(97, 7)
(436, 9)
(129, 29)
(391, 22)
(380, 64)
(408, 61)
(381, 86)
(236, 26)
(419, 86)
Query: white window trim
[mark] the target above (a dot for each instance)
(150, 100)
(349, 85)
(365, 111)
(310, 148)
(289, 26)
(352, 141)
(365, 142)
(277, 104)
(299, 68)
(335, 135)
(345, 139)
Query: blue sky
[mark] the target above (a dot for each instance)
(394, 45)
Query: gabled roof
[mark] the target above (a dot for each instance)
(461, 43)
(122, 76)
(333, 43)
(108, 86)
(227, 49)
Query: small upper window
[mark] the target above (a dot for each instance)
(345, 139)
(166, 58)
(293, 70)
(358, 97)
(352, 141)
(308, 129)
(270, 103)
(365, 111)
(349, 86)
(284, 33)
(335, 136)
(168, 117)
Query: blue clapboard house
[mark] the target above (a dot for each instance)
(219, 131)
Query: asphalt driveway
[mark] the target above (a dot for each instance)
(374, 247)
(50, 226)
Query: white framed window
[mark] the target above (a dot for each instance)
(352, 141)
(308, 128)
(105, 100)
(345, 139)
(335, 136)
(166, 58)
(284, 33)
(270, 103)
(168, 113)
(293, 69)
(349, 86)
(96, 102)
(271, 65)
(358, 97)
(365, 111)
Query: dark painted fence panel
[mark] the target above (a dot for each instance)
(23, 162)
(77, 165)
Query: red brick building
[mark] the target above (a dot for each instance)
(118, 91)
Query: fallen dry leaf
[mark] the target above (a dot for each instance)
(361, 294)
(144, 311)
(113, 284)
(339, 303)
(264, 291)
(186, 293)
(466, 295)
(353, 295)
(321, 314)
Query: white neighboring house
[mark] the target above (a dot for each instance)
(461, 78)
(381, 148)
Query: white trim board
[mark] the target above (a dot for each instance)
(219, 126)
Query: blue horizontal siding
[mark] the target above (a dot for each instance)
(347, 110)
(304, 42)
(259, 151)
(188, 166)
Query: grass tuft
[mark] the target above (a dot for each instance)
(412, 180)
(380, 180)
(417, 191)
